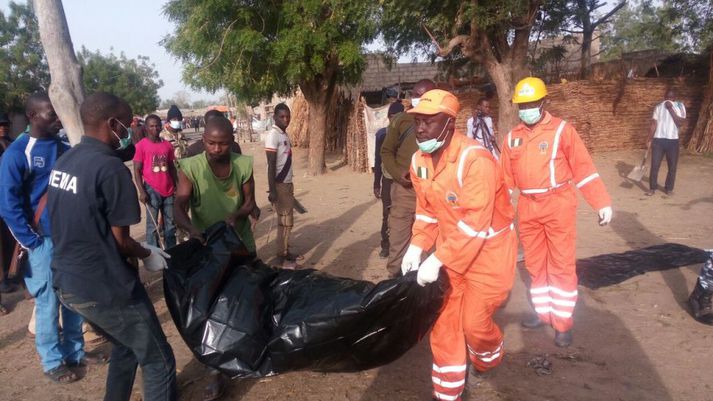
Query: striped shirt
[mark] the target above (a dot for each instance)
(665, 126)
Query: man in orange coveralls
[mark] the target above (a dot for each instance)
(545, 159)
(463, 208)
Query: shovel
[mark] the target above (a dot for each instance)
(637, 173)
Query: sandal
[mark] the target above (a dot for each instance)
(62, 375)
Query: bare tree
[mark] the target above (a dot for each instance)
(581, 13)
(66, 88)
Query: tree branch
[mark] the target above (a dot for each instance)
(608, 15)
(460, 40)
(222, 43)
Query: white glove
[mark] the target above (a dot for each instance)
(411, 259)
(156, 261)
(605, 215)
(428, 271)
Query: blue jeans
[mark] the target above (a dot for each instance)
(136, 334)
(53, 348)
(155, 204)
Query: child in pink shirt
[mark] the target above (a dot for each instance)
(155, 176)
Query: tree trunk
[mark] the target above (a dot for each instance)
(317, 136)
(317, 97)
(702, 138)
(585, 66)
(66, 88)
(504, 80)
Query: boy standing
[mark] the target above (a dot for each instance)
(279, 177)
(155, 176)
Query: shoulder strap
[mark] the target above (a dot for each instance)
(40, 208)
(405, 135)
(17, 252)
(285, 169)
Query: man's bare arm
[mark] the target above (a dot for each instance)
(180, 210)
(139, 181)
(128, 247)
(676, 119)
(248, 202)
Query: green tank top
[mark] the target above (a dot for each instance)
(213, 199)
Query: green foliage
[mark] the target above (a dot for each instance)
(257, 48)
(671, 26)
(549, 60)
(23, 67)
(403, 22)
(638, 26)
(135, 81)
(694, 23)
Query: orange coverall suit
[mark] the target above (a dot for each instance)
(463, 208)
(545, 163)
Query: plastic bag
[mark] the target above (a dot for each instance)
(614, 268)
(247, 319)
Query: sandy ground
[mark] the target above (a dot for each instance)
(633, 341)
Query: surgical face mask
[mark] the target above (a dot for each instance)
(124, 142)
(530, 116)
(434, 144)
(175, 124)
(414, 101)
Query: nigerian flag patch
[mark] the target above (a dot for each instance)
(515, 142)
(422, 173)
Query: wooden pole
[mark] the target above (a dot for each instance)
(66, 88)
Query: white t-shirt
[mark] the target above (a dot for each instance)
(277, 141)
(478, 135)
(665, 126)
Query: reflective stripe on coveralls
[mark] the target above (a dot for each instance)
(547, 212)
(464, 208)
(553, 300)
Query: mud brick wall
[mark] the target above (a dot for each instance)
(609, 115)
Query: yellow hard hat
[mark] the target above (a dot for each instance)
(528, 90)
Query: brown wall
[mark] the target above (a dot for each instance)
(607, 115)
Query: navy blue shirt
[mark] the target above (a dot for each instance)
(378, 173)
(90, 190)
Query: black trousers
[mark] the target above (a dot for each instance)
(659, 148)
(385, 205)
(138, 340)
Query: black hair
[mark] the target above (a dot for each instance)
(35, 99)
(281, 107)
(218, 123)
(102, 106)
(152, 117)
(212, 114)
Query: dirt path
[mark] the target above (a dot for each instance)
(633, 341)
